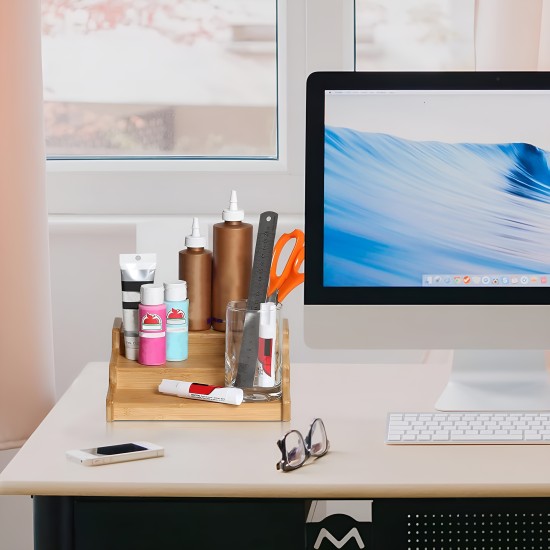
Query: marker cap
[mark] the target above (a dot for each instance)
(235, 396)
(169, 386)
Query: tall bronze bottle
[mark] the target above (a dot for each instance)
(232, 261)
(195, 267)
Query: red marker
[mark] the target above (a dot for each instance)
(204, 392)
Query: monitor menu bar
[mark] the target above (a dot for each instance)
(489, 279)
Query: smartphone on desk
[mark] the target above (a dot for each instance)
(124, 452)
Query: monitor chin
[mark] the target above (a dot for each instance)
(427, 327)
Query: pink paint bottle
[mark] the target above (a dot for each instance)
(152, 325)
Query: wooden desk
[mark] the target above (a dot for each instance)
(236, 460)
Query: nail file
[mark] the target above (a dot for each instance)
(257, 291)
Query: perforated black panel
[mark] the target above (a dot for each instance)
(462, 524)
(485, 530)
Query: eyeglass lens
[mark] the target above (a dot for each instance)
(295, 449)
(318, 442)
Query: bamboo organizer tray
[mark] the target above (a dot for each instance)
(133, 388)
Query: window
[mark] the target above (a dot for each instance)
(407, 35)
(136, 169)
(160, 78)
(174, 185)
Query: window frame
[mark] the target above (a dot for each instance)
(186, 186)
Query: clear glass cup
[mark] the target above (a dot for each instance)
(265, 332)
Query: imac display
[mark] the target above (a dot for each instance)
(431, 192)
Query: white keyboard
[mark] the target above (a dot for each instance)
(435, 428)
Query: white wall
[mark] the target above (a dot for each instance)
(85, 290)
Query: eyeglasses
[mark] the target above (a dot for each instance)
(296, 450)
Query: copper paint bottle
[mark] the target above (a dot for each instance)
(232, 261)
(195, 267)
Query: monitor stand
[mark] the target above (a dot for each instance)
(497, 380)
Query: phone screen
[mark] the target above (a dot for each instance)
(119, 449)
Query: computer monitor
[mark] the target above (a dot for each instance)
(428, 224)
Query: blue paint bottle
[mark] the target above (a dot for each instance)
(177, 326)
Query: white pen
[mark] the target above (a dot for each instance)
(266, 345)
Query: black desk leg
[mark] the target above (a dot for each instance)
(53, 523)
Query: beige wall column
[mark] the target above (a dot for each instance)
(507, 34)
(26, 345)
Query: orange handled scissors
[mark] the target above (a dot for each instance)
(290, 277)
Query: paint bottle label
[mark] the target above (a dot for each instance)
(176, 320)
(152, 322)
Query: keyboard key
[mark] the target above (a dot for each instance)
(494, 437)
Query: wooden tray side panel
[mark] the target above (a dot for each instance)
(146, 405)
(133, 393)
(117, 351)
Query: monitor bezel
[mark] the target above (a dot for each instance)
(315, 293)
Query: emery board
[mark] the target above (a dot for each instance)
(257, 291)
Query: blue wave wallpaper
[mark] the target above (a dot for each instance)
(396, 209)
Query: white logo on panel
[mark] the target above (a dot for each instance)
(353, 533)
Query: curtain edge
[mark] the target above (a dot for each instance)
(16, 444)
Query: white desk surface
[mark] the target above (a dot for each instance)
(237, 459)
